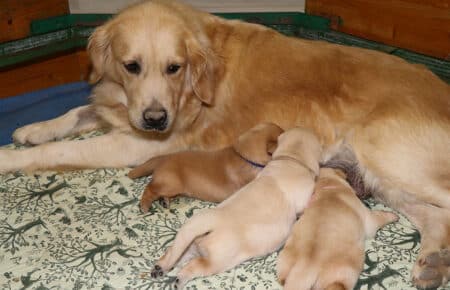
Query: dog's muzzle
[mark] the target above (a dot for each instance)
(155, 119)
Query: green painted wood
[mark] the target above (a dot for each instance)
(56, 34)
(284, 20)
(439, 66)
(69, 32)
(67, 21)
(35, 47)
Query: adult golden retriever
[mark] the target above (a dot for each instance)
(173, 78)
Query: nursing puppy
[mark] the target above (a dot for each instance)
(172, 78)
(256, 219)
(326, 247)
(209, 175)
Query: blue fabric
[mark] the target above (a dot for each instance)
(39, 105)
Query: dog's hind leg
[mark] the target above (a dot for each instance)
(432, 267)
(197, 267)
(77, 120)
(413, 171)
(219, 251)
(427, 206)
(200, 224)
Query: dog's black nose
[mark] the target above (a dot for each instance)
(155, 119)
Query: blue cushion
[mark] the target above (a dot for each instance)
(39, 105)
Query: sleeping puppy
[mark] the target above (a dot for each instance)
(209, 175)
(326, 247)
(256, 219)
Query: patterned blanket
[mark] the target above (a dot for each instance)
(83, 230)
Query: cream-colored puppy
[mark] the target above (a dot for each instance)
(326, 247)
(256, 220)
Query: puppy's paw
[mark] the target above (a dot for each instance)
(164, 202)
(148, 197)
(432, 270)
(33, 134)
(179, 283)
(156, 272)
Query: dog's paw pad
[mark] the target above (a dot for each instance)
(177, 284)
(156, 272)
(433, 270)
(164, 202)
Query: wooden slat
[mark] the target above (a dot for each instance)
(421, 26)
(435, 3)
(51, 72)
(16, 15)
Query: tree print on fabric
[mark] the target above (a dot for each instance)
(84, 230)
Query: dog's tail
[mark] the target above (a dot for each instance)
(200, 224)
(146, 168)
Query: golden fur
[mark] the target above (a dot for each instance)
(254, 221)
(208, 175)
(325, 249)
(234, 75)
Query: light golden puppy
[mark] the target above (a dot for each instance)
(234, 232)
(172, 78)
(209, 175)
(326, 247)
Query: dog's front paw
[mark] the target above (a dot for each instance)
(33, 134)
(8, 161)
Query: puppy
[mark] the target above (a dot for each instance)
(173, 78)
(326, 247)
(255, 220)
(208, 175)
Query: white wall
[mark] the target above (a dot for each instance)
(112, 6)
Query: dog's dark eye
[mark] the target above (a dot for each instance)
(133, 67)
(172, 68)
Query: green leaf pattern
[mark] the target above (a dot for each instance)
(83, 230)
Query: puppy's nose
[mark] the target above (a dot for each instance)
(155, 118)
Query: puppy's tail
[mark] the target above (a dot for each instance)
(146, 168)
(200, 224)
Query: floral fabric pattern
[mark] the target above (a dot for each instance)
(84, 230)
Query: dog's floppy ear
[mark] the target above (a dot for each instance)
(258, 143)
(99, 50)
(203, 67)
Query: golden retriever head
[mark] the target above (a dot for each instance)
(258, 143)
(159, 53)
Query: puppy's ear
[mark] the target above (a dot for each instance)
(271, 146)
(203, 67)
(258, 143)
(99, 52)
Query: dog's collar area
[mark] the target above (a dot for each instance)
(255, 164)
(288, 158)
